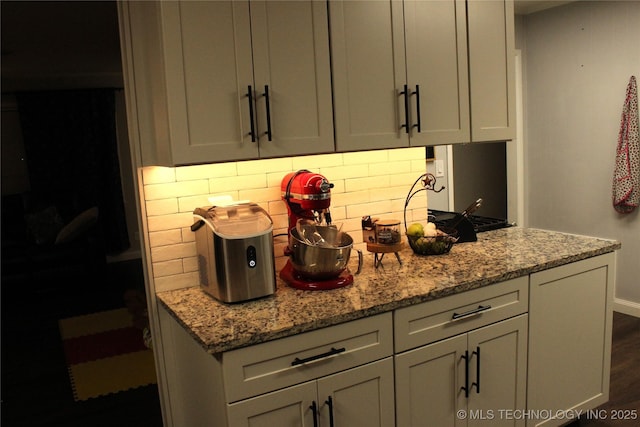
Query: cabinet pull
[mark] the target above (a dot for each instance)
(329, 403)
(253, 129)
(268, 106)
(314, 412)
(333, 351)
(405, 93)
(417, 94)
(477, 383)
(466, 373)
(480, 309)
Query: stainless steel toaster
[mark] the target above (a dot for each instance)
(235, 251)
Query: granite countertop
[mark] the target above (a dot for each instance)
(497, 256)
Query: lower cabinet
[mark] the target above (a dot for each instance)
(570, 327)
(465, 380)
(496, 355)
(361, 396)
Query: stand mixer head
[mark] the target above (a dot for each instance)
(307, 195)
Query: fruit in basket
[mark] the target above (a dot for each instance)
(415, 230)
(433, 242)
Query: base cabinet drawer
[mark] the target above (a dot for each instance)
(361, 396)
(435, 320)
(261, 368)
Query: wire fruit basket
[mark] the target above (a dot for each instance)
(425, 241)
(432, 245)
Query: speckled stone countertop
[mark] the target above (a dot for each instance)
(497, 256)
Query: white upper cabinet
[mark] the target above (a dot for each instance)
(369, 71)
(492, 69)
(228, 80)
(437, 71)
(404, 75)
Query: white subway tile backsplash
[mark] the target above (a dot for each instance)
(165, 237)
(251, 167)
(378, 156)
(190, 264)
(241, 182)
(365, 183)
(168, 222)
(315, 162)
(176, 189)
(158, 175)
(162, 206)
(171, 252)
(167, 268)
(343, 172)
(206, 171)
(176, 281)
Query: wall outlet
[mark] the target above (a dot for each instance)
(439, 168)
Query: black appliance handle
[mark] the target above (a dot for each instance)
(268, 106)
(251, 119)
(405, 92)
(196, 225)
(329, 403)
(333, 351)
(471, 312)
(417, 94)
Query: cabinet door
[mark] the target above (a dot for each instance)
(491, 69)
(361, 396)
(208, 63)
(291, 57)
(500, 353)
(436, 37)
(369, 72)
(289, 407)
(428, 381)
(570, 336)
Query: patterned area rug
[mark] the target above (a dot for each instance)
(105, 354)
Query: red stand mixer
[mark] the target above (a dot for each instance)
(308, 196)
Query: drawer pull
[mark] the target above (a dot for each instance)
(333, 351)
(480, 309)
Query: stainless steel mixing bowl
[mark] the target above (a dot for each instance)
(321, 262)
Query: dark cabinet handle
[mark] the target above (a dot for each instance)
(477, 383)
(405, 93)
(251, 119)
(466, 374)
(417, 94)
(333, 351)
(329, 403)
(314, 412)
(268, 106)
(480, 309)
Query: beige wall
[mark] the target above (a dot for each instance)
(578, 60)
(366, 183)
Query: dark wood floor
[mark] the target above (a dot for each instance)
(35, 383)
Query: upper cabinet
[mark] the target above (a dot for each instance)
(492, 69)
(227, 80)
(212, 81)
(404, 74)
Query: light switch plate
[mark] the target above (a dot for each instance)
(439, 168)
